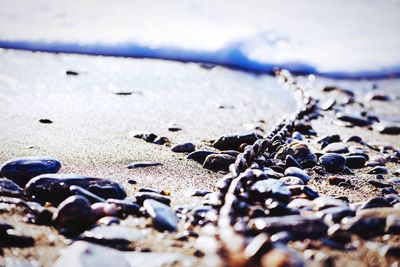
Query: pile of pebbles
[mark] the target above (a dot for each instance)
(266, 211)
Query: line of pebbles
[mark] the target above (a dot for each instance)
(264, 203)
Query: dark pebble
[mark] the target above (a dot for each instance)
(173, 127)
(378, 183)
(45, 121)
(355, 161)
(328, 139)
(199, 155)
(233, 141)
(354, 119)
(200, 193)
(378, 170)
(10, 189)
(131, 181)
(77, 190)
(182, 148)
(148, 137)
(21, 170)
(12, 238)
(142, 196)
(74, 215)
(388, 129)
(335, 180)
(164, 218)
(161, 140)
(71, 72)
(143, 164)
(376, 202)
(273, 188)
(332, 162)
(291, 162)
(54, 188)
(390, 251)
(336, 147)
(392, 224)
(354, 138)
(218, 162)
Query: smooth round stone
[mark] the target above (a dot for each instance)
(218, 162)
(291, 180)
(378, 183)
(336, 147)
(335, 180)
(164, 218)
(234, 140)
(291, 162)
(74, 215)
(378, 170)
(297, 172)
(21, 170)
(376, 202)
(199, 155)
(182, 148)
(332, 162)
(355, 161)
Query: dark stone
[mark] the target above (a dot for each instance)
(392, 224)
(74, 215)
(164, 218)
(71, 72)
(173, 127)
(148, 137)
(332, 162)
(21, 170)
(12, 238)
(182, 148)
(355, 161)
(388, 129)
(199, 155)
(335, 214)
(218, 162)
(142, 196)
(390, 251)
(353, 119)
(378, 170)
(299, 227)
(379, 184)
(54, 188)
(328, 139)
(233, 141)
(335, 180)
(297, 172)
(125, 207)
(291, 180)
(365, 227)
(269, 188)
(200, 193)
(45, 121)
(161, 140)
(10, 189)
(354, 138)
(376, 202)
(143, 164)
(291, 162)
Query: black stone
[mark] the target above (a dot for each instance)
(148, 137)
(142, 196)
(218, 162)
(10, 189)
(233, 141)
(332, 162)
(164, 218)
(21, 170)
(355, 161)
(54, 188)
(378, 170)
(269, 188)
(354, 119)
(143, 164)
(291, 162)
(378, 183)
(183, 148)
(77, 190)
(199, 155)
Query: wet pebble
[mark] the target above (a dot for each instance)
(297, 172)
(218, 162)
(269, 188)
(10, 189)
(291, 162)
(45, 121)
(77, 190)
(183, 148)
(353, 119)
(164, 218)
(9, 237)
(143, 164)
(355, 161)
(21, 170)
(385, 128)
(200, 193)
(332, 162)
(146, 136)
(291, 180)
(336, 180)
(161, 140)
(73, 215)
(142, 196)
(234, 140)
(54, 188)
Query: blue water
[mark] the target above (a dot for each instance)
(339, 38)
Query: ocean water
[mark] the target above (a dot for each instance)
(337, 38)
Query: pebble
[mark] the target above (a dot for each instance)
(142, 196)
(200, 193)
(378, 183)
(377, 160)
(12, 238)
(354, 138)
(390, 251)
(108, 220)
(183, 148)
(173, 127)
(333, 162)
(335, 180)
(298, 136)
(199, 155)
(273, 188)
(73, 215)
(54, 188)
(218, 162)
(146, 136)
(393, 224)
(297, 172)
(291, 162)
(378, 170)
(161, 140)
(299, 226)
(92, 198)
(336, 147)
(164, 218)
(10, 189)
(353, 119)
(124, 207)
(45, 121)
(376, 202)
(21, 170)
(71, 72)
(388, 129)
(328, 104)
(325, 202)
(355, 161)
(234, 140)
(114, 235)
(143, 164)
(376, 96)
